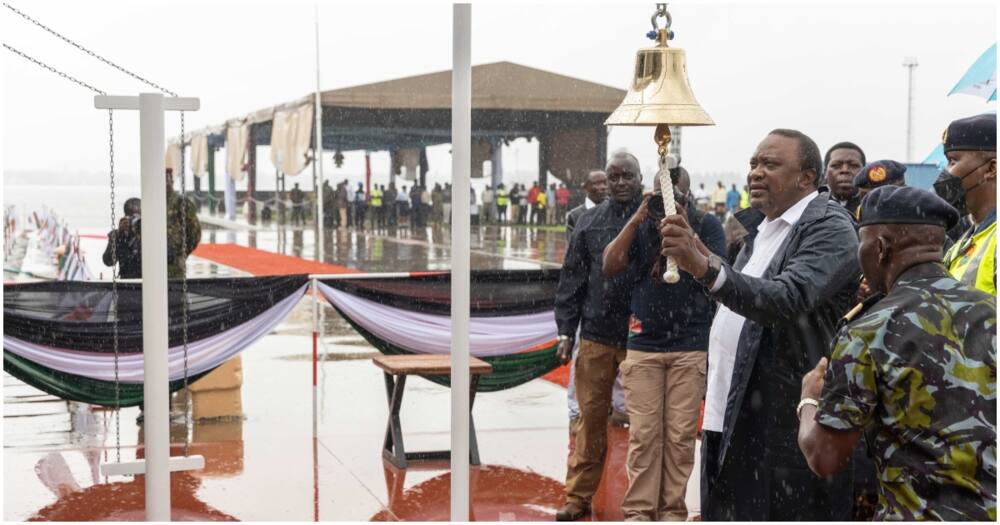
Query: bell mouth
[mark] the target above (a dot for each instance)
(659, 92)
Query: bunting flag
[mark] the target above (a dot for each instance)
(60, 336)
(512, 323)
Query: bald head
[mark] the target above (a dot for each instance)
(623, 160)
(624, 177)
(886, 250)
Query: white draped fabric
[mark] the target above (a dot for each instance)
(237, 137)
(172, 158)
(431, 334)
(291, 137)
(199, 155)
(203, 355)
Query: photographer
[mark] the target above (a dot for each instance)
(125, 244)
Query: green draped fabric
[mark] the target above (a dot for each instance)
(78, 388)
(508, 370)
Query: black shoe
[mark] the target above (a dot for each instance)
(572, 511)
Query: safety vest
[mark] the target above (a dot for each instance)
(972, 259)
(502, 199)
(744, 200)
(376, 198)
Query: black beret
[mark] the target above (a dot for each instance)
(880, 173)
(977, 133)
(906, 205)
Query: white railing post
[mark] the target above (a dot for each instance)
(461, 139)
(155, 330)
(156, 392)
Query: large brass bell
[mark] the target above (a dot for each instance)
(660, 92)
(661, 96)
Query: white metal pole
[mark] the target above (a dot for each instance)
(318, 110)
(315, 320)
(154, 308)
(910, 63)
(461, 141)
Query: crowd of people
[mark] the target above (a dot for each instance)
(385, 206)
(825, 301)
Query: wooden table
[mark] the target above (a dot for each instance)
(395, 369)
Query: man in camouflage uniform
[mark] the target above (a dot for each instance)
(177, 250)
(917, 362)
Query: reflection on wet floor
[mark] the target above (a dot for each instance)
(268, 466)
(402, 249)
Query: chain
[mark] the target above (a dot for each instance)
(114, 284)
(184, 291)
(54, 70)
(89, 52)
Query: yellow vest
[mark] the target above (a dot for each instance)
(972, 259)
(744, 200)
(376, 198)
(502, 199)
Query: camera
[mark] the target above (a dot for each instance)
(656, 204)
(134, 224)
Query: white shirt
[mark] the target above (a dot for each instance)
(588, 204)
(727, 325)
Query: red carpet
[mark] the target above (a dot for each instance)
(259, 262)
(559, 376)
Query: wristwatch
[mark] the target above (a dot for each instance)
(805, 401)
(714, 267)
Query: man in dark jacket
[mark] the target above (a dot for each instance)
(596, 187)
(599, 306)
(843, 161)
(664, 370)
(124, 244)
(780, 303)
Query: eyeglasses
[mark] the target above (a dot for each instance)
(623, 177)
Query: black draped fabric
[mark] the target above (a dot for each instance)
(493, 292)
(78, 314)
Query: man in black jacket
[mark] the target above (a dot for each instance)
(596, 187)
(664, 370)
(843, 161)
(599, 306)
(124, 244)
(780, 302)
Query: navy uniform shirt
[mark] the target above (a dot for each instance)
(670, 317)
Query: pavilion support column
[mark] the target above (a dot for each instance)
(543, 169)
(424, 166)
(251, 181)
(496, 163)
(602, 146)
(211, 179)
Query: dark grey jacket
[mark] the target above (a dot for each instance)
(598, 305)
(792, 312)
(573, 217)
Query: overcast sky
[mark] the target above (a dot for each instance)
(832, 70)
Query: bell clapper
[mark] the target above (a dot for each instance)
(662, 137)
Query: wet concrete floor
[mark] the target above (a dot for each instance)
(268, 466)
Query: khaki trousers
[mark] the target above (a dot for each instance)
(343, 217)
(596, 369)
(663, 392)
